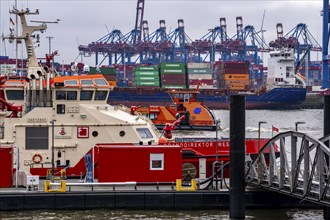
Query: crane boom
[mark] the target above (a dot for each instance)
(138, 20)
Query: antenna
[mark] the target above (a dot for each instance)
(262, 34)
(262, 26)
(80, 52)
(106, 27)
(47, 22)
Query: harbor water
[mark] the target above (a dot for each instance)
(283, 120)
(157, 215)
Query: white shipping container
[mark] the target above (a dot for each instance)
(200, 76)
(202, 87)
(198, 65)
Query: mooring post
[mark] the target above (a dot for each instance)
(237, 157)
(326, 131)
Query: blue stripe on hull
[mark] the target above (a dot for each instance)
(278, 98)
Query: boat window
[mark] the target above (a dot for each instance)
(86, 82)
(36, 138)
(71, 95)
(15, 94)
(15, 83)
(188, 153)
(86, 95)
(144, 133)
(186, 97)
(156, 161)
(153, 116)
(60, 95)
(101, 95)
(101, 82)
(60, 109)
(71, 82)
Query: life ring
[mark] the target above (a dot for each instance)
(37, 158)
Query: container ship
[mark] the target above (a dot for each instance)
(151, 85)
(146, 85)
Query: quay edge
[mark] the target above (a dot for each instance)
(144, 200)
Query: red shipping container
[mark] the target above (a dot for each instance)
(139, 163)
(173, 82)
(6, 164)
(173, 76)
(203, 81)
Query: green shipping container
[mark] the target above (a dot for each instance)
(146, 78)
(172, 66)
(146, 73)
(146, 68)
(172, 71)
(174, 86)
(92, 70)
(108, 70)
(146, 83)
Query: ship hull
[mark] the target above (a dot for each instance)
(277, 98)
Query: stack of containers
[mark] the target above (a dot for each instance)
(146, 76)
(199, 73)
(233, 75)
(124, 76)
(109, 73)
(173, 75)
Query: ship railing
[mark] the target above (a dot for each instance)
(290, 86)
(118, 185)
(138, 114)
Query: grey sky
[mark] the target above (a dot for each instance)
(86, 20)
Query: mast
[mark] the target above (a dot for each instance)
(27, 36)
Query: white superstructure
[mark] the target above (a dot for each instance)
(58, 119)
(281, 69)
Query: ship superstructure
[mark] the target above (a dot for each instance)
(58, 119)
(281, 69)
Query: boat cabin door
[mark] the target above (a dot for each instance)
(186, 98)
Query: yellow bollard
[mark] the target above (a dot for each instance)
(63, 186)
(46, 186)
(63, 174)
(193, 186)
(61, 189)
(178, 185)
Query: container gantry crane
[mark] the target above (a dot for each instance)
(325, 44)
(181, 43)
(301, 40)
(211, 43)
(155, 47)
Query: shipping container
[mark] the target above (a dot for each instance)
(198, 71)
(202, 87)
(107, 70)
(172, 66)
(174, 86)
(172, 71)
(146, 83)
(139, 164)
(146, 68)
(4, 57)
(198, 65)
(146, 73)
(179, 77)
(200, 76)
(202, 82)
(173, 81)
(237, 76)
(243, 82)
(146, 78)
(110, 77)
